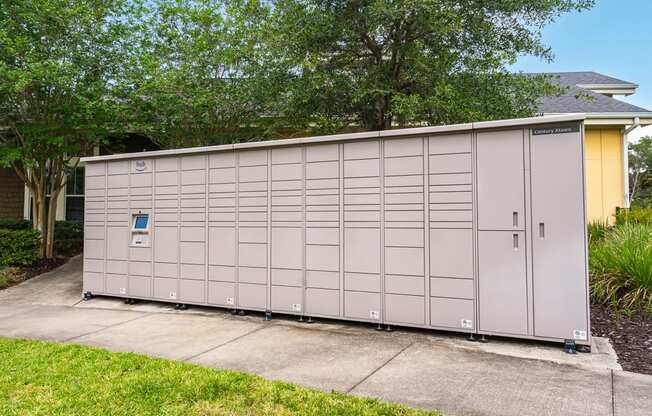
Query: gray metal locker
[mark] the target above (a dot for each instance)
(475, 228)
(559, 235)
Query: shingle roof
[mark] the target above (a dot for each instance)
(588, 77)
(581, 100)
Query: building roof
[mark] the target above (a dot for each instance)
(581, 96)
(415, 131)
(589, 78)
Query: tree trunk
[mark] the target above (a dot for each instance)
(51, 221)
(39, 218)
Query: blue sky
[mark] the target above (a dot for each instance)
(613, 38)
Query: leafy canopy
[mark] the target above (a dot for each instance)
(59, 62)
(379, 62)
(215, 71)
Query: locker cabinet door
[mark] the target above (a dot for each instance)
(558, 237)
(501, 184)
(502, 282)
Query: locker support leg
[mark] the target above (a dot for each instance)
(570, 347)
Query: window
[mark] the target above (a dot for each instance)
(75, 195)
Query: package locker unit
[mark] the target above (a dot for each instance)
(476, 228)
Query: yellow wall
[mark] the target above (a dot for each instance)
(604, 173)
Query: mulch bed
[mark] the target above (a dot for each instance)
(14, 275)
(631, 336)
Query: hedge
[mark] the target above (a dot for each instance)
(68, 237)
(11, 224)
(19, 247)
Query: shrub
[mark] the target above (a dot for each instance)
(19, 247)
(621, 267)
(596, 231)
(635, 214)
(11, 224)
(68, 237)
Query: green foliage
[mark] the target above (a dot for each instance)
(635, 214)
(621, 267)
(58, 62)
(211, 72)
(62, 88)
(19, 247)
(640, 171)
(40, 378)
(68, 237)
(597, 230)
(378, 63)
(10, 276)
(11, 224)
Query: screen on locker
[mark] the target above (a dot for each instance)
(140, 223)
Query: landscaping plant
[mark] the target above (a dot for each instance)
(19, 247)
(12, 224)
(635, 214)
(620, 264)
(68, 237)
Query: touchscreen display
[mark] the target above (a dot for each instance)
(141, 222)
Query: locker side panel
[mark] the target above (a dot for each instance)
(94, 228)
(558, 238)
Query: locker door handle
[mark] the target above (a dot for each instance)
(542, 230)
(515, 241)
(515, 218)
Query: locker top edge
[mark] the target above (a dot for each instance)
(528, 121)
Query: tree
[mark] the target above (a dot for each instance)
(59, 62)
(378, 63)
(195, 77)
(640, 170)
(213, 71)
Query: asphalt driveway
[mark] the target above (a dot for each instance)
(420, 368)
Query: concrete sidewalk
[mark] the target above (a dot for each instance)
(420, 368)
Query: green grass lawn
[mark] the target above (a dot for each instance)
(42, 378)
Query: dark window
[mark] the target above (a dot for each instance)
(75, 195)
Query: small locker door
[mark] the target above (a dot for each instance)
(500, 180)
(558, 237)
(502, 283)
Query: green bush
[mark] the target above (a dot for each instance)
(19, 247)
(596, 231)
(621, 267)
(11, 224)
(635, 214)
(68, 237)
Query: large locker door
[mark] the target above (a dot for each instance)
(502, 284)
(501, 186)
(558, 237)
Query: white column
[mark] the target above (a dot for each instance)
(27, 202)
(626, 201)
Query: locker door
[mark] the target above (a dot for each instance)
(501, 188)
(502, 282)
(558, 237)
